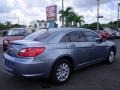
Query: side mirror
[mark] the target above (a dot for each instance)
(99, 40)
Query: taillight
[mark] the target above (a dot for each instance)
(31, 52)
(6, 41)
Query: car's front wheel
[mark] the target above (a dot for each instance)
(61, 72)
(111, 57)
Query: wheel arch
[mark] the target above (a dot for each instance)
(113, 48)
(67, 57)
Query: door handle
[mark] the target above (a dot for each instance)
(72, 45)
(93, 44)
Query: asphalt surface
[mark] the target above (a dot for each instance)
(96, 77)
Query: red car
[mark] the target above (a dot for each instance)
(13, 34)
(104, 34)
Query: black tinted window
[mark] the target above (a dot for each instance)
(66, 38)
(75, 36)
(91, 36)
(16, 32)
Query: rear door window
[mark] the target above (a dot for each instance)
(75, 36)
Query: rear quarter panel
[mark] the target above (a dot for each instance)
(53, 52)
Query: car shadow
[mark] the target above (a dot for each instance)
(45, 83)
(30, 82)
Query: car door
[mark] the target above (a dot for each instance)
(78, 47)
(98, 49)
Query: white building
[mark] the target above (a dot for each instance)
(38, 25)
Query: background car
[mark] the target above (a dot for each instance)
(117, 33)
(112, 33)
(55, 53)
(13, 34)
(103, 34)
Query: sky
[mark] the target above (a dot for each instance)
(26, 11)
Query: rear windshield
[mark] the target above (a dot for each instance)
(39, 35)
(16, 32)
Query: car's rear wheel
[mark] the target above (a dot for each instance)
(111, 57)
(61, 72)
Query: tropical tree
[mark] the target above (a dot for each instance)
(64, 15)
(8, 24)
(80, 20)
(71, 18)
(93, 26)
(3, 26)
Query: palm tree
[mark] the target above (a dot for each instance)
(64, 14)
(70, 17)
(78, 20)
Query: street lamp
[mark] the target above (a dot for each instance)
(62, 10)
(118, 15)
(62, 4)
(98, 2)
(18, 20)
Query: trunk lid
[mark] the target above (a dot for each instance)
(15, 46)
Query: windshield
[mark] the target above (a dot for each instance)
(16, 32)
(39, 35)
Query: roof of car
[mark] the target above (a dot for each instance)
(68, 29)
(17, 28)
(63, 29)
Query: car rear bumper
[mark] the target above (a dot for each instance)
(41, 69)
(26, 75)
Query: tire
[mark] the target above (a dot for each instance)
(111, 57)
(59, 75)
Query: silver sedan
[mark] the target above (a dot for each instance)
(55, 53)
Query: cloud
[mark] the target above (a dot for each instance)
(108, 9)
(28, 10)
(88, 3)
(5, 6)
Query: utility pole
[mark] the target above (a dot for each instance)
(62, 10)
(118, 16)
(98, 1)
(18, 20)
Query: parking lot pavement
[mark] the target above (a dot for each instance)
(96, 77)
